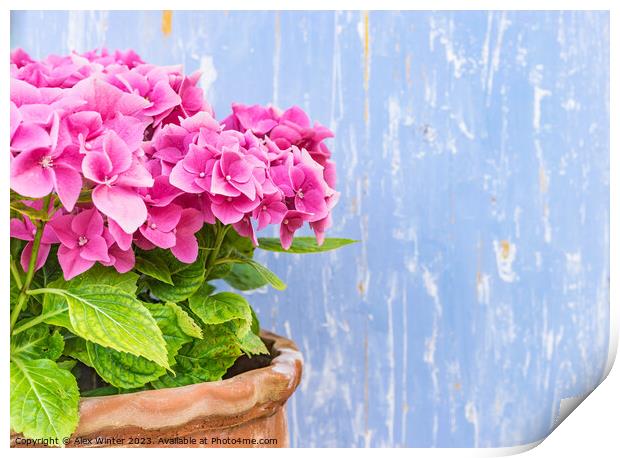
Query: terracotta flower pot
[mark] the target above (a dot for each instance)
(247, 410)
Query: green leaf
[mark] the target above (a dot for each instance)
(108, 391)
(56, 306)
(185, 322)
(121, 369)
(67, 364)
(124, 370)
(176, 326)
(302, 245)
(233, 242)
(204, 360)
(244, 277)
(44, 399)
(219, 271)
(251, 344)
(186, 278)
(221, 308)
(30, 212)
(261, 270)
(75, 347)
(151, 263)
(111, 317)
(37, 343)
(255, 323)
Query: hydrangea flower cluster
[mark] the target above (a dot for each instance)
(128, 154)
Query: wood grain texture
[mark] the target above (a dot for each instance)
(473, 160)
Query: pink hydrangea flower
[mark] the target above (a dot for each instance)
(116, 172)
(142, 142)
(160, 225)
(24, 229)
(186, 246)
(82, 241)
(293, 220)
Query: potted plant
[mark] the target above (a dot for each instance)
(133, 215)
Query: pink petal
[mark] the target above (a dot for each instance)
(166, 218)
(37, 113)
(122, 205)
(72, 263)
(88, 223)
(286, 237)
(162, 192)
(219, 184)
(245, 229)
(28, 177)
(96, 249)
(124, 260)
(297, 116)
(117, 151)
(62, 228)
(313, 202)
(163, 98)
(248, 188)
(23, 93)
(200, 119)
(106, 99)
(97, 166)
(68, 184)
(44, 251)
(136, 175)
(30, 136)
(184, 180)
(159, 238)
(186, 248)
(129, 129)
(16, 119)
(226, 212)
(191, 221)
(122, 239)
(20, 230)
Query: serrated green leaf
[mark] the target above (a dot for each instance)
(204, 360)
(121, 369)
(109, 316)
(186, 278)
(255, 323)
(124, 370)
(261, 270)
(75, 347)
(56, 307)
(251, 344)
(37, 343)
(185, 322)
(221, 308)
(219, 271)
(244, 277)
(173, 323)
(303, 245)
(44, 399)
(151, 263)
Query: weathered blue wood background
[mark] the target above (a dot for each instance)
(473, 156)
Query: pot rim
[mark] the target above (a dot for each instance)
(253, 394)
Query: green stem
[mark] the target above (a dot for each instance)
(36, 244)
(16, 276)
(220, 233)
(23, 293)
(38, 319)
